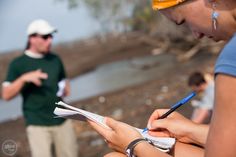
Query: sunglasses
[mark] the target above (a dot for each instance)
(44, 37)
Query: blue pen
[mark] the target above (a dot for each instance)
(175, 106)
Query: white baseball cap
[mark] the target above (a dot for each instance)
(40, 27)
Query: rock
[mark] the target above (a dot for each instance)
(97, 142)
(164, 89)
(148, 102)
(101, 99)
(117, 114)
(159, 97)
(86, 134)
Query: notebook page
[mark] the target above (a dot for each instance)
(163, 143)
(92, 116)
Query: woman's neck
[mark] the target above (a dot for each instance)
(233, 13)
(228, 8)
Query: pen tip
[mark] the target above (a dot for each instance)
(145, 130)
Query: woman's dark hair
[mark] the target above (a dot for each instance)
(196, 79)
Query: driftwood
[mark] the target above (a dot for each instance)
(211, 47)
(190, 53)
(162, 45)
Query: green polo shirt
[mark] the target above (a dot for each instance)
(39, 102)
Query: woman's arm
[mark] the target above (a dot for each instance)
(221, 141)
(121, 134)
(180, 150)
(177, 126)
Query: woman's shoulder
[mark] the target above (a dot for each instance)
(229, 49)
(226, 62)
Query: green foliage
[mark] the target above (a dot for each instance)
(134, 15)
(71, 3)
(142, 17)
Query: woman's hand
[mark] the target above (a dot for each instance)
(177, 126)
(119, 136)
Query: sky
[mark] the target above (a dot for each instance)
(15, 16)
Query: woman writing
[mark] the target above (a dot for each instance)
(215, 19)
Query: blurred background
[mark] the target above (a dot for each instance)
(123, 59)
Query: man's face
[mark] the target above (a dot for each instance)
(42, 43)
(198, 89)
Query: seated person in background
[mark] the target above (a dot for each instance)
(205, 87)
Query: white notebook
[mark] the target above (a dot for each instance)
(162, 143)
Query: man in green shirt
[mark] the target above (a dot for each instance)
(39, 76)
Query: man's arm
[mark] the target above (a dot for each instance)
(221, 141)
(199, 115)
(67, 88)
(9, 91)
(14, 88)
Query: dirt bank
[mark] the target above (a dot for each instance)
(132, 105)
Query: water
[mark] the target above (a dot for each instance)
(15, 15)
(106, 78)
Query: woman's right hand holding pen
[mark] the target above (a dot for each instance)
(177, 126)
